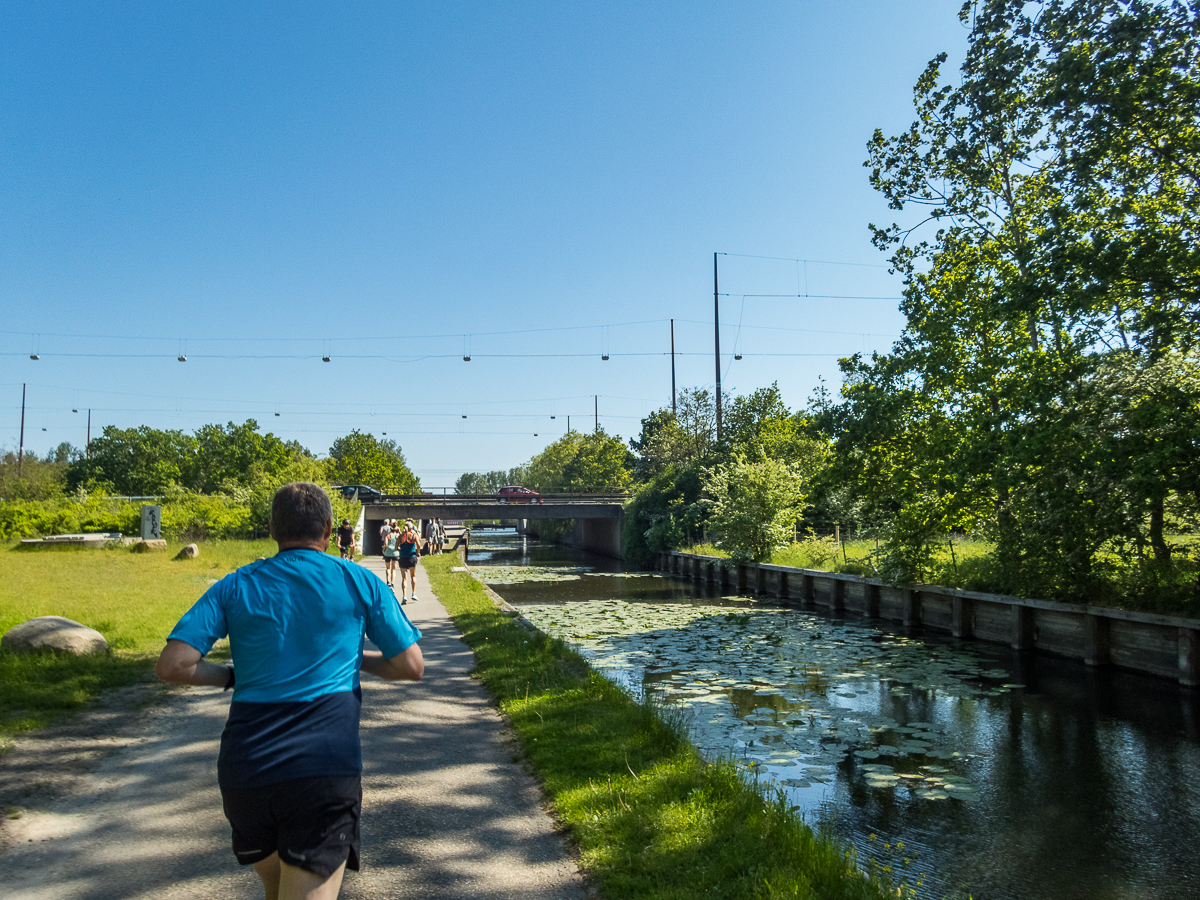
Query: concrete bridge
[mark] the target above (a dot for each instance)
(599, 518)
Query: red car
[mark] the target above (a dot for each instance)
(517, 494)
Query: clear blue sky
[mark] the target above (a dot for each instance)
(397, 184)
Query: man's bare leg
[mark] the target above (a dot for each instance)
(284, 882)
(268, 871)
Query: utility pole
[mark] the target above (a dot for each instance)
(87, 449)
(717, 342)
(21, 445)
(597, 399)
(674, 412)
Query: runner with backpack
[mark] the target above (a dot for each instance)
(391, 556)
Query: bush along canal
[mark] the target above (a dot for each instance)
(966, 769)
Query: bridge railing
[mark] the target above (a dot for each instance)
(491, 499)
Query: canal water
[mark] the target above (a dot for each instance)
(968, 769)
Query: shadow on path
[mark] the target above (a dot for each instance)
(446, 811)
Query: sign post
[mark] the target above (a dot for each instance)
(151, 523)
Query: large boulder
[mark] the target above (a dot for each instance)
(149, 546)
(53, 633)
(191, 551)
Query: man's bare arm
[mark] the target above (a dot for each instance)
(408, 665)
(181, 663)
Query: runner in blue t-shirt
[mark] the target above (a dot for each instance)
(290, 763)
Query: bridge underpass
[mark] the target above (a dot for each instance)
(599, 518)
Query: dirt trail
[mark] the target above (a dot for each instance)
(447, 813)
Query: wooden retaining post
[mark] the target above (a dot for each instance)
(961, 625)
(1022, 628)
(1189, 657)
(838, 600)
(760, 580)
(808, 591)
(742, 579)
(781, 586)
(872, 600)
(1095, 640)
(912, 608)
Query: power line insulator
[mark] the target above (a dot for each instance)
(181, 358)
(324, 359)
(466, 359)
(34, 356)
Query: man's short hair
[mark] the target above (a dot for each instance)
(299, 512)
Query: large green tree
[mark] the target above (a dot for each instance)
(235, 454)
(1051, 262)
(359, 458)
(135, 461)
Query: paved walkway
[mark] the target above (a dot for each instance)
(446, 811)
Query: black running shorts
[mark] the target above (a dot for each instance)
(312, 822)
(408, 562)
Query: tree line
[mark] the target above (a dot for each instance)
(215, 482)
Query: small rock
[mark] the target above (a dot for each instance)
(191, 551)
(53, 633)
(149, 546)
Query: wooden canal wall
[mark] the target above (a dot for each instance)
(1167, 646)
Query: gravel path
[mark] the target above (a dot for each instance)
(447, 813)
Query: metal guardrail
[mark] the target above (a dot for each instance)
(493, 500)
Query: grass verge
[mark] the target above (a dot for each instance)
(133, 599)
(651, 818)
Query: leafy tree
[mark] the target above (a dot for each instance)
(135, 461)
(754, 505)
(359, 458)
(682, 440)
(39, 479)
(236, 454)
(481, 482)
(1060, 172)
(601, 463)
(579, 463)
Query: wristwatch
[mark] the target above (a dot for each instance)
(229, 683)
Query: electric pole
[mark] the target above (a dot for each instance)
(674, 412)
(21, 445)
(597, 400)
(717, 342)
(87, 450)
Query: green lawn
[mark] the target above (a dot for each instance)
(133, 599)
(651, 818)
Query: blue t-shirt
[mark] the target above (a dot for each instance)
(295, 624)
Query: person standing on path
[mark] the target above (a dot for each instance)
(345, 535)
(290, 765)
(391, 556)
(410, 552)
(440, 534)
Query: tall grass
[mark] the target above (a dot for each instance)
(651, 818)
(958, 562)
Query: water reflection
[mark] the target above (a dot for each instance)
(1001, 775)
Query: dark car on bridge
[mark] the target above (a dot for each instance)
(363, 493)
(517, 494)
